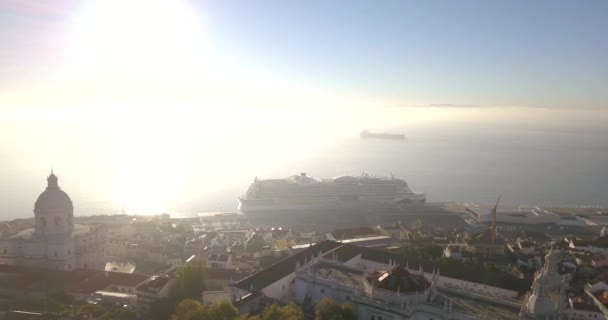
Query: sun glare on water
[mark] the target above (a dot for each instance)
(150, 74)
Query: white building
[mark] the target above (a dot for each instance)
(548, 297)
(156, 287)
(376, 283)
(55, 242)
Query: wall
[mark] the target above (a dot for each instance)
(282, 289)
(578, 314)
(442, 280)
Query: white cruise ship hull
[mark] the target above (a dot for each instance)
(313, 204)
(301, 192)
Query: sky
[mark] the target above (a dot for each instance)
(548, 54)
(133, 100)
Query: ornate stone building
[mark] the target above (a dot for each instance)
(548, 297)
(55, 242)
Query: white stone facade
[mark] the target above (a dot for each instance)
(55, 242)
(548, 297)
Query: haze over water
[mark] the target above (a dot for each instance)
(186, 163)
(176, 105)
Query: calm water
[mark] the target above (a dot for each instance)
(561, 161)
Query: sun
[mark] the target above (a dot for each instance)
(136, 46)
(118, 52)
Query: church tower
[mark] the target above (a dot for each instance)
(53, 211)
(547, 300)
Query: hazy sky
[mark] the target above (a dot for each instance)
(208, 94)
(523, 53)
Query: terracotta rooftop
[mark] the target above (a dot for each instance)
(602, 296)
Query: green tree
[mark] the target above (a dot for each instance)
(89, 310)
(191, 281)
(119, 314)
(188, 310)
(288, 312)
(328, 309)
(193, 310)
(162, 309)
(222, 311)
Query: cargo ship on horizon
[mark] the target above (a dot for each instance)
(365, 134)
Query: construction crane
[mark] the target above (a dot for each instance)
(494, 220)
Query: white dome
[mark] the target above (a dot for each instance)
(53, 210)
(53, 200)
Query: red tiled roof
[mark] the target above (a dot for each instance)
(602, 296)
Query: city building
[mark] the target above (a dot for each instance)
(55, 242)
(598, 293)
(378, 284)
(548, 297)
(156, 287)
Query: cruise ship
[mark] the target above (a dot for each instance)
(302, 192)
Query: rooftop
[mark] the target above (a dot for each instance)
(101, 280)
(399, 280)
(602, 296)
(353, 233)
(338, 273)
(284, 267)
(585, 306)
(156, 283)
(28, 234)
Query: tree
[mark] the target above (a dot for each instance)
(119, 314)
(90, 310)
(328, 309)
(188, 310)
(193, 310)
(191, 281)
(162, 309)
(222, 311)
(288, 312)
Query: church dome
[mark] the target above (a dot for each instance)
(53, 210)
(53, 199)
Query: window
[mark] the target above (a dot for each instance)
(373, 318)
(322, 290)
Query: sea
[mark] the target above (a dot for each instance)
(186, 163)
